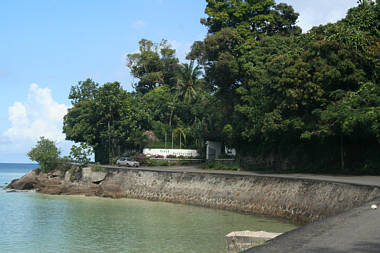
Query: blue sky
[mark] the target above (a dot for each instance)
(47, 46)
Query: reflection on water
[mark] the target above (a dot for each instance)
(31, 222)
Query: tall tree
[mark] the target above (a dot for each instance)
(235, 27)
(249, 17)
(110, 122)
(85, 90)
(153, 65)
(188, 80)
(319, 89)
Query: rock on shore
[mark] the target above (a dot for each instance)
(57, 182)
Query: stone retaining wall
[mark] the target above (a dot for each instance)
(300, 200)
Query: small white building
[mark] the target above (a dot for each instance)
(166, 152)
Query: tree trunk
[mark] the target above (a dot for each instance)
(341, 152)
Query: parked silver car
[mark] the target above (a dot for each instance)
(125, 161)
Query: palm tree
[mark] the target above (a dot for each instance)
(188, 80)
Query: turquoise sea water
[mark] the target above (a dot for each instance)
(32, 222)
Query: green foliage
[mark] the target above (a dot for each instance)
(111, 120)
(158, 162)
(97, 168)
(63, 164)
(154, 65)
(45, 153)
(218, 165)
(85, 90)
(81, 154)
(283, 98)
(235, 28)
(317, 89)
(249, 17)
(188, 82)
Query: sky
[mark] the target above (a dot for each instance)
(47, 46)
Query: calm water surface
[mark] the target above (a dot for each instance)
(32, 222)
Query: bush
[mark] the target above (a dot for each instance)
(217, 165)
(63, 164)
(142, 159)
(225, 156)
(45, 153)
(97, 168)
(113, 160)
(157, 163)
(81, 154)
(184, 163)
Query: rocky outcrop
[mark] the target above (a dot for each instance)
(58, 182)
(301, 200)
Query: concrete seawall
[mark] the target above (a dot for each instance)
(299, 200)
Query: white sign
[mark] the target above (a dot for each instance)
(166, 152)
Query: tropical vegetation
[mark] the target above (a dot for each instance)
(284, 99)
(45, 153)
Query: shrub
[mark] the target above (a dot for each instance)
(97, 168)
(225, 156)
(113, 160)
(45, 153)
(142, 159)
(184, 163)
(81, 154)
(158, 163)
(63, 163)
(217, 165)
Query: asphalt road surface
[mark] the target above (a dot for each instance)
(356, 231)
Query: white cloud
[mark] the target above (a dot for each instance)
(315, 13)
(182, 48)
(138, 24)
(39, 115)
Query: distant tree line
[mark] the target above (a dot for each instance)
(283, 99)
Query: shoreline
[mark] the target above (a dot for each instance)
(320, 205)
(302, 200)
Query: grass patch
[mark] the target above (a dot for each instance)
(97, 168)
(157, 162)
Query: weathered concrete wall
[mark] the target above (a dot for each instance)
(300, 200)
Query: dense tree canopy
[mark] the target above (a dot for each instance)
(154, 65)
(314, 86)
(283, 99)
(109, 120)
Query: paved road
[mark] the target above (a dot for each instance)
(355, 231)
